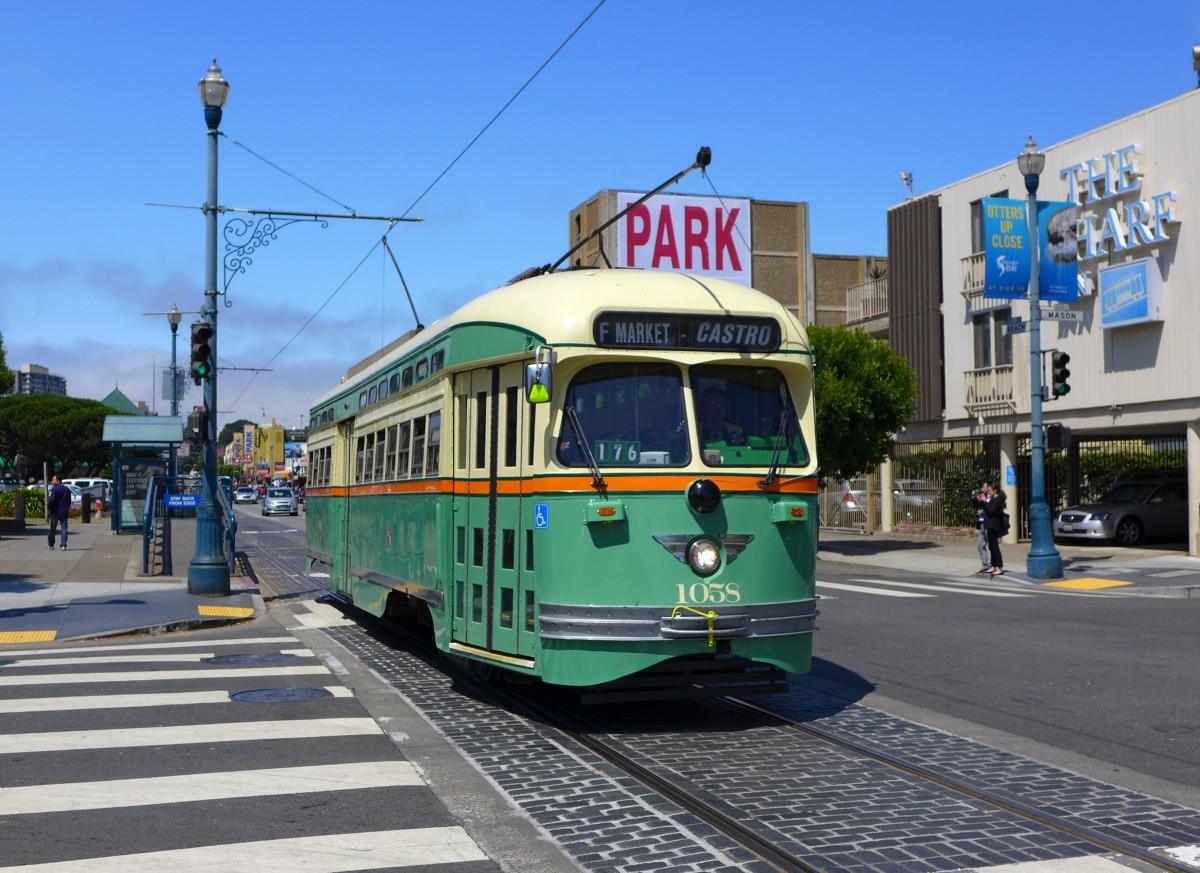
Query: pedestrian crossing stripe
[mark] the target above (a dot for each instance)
(197, 787)
(1087, 583)
(227, 611)
(34, 636)
(334, 853)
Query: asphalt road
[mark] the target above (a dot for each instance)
(1110, 677)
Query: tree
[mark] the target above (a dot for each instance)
(225, 437)
(7, 377)
(65, 432)
(864, 394)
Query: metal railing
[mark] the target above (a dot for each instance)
(867, 300)
(157, 512)
(973, 268)
(990, 389)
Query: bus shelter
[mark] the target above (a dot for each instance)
(142, 449)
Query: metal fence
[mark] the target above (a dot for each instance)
(933, 481)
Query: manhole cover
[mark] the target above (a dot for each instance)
(242, 660)
(279, 695)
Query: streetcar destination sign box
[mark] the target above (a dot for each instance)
(681, 332)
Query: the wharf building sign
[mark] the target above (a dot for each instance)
(1117, 218)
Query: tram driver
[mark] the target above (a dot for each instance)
(714, 429)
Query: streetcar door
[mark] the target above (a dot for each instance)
(508, 557)
(487, 599)
(342, 474)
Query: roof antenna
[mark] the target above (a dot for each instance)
(703, 159)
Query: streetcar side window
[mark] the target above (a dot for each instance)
(511, 408)
(358, 459)
(379, 455)
(631, 414)
(418, 448)
(368, 458)
(402, 452)
(389, 462)
(434, 454)
(745, 417)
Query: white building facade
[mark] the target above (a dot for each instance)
(1133, 334)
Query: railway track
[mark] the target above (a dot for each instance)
(742, 826)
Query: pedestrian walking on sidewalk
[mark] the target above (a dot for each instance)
(58, 507)
(978, 499)
(995, 522)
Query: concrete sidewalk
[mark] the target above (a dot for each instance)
(94, 587)
(1151, 571)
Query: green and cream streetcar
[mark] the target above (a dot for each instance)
(592, 477)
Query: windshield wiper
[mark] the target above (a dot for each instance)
(780, 441)
(577, 426)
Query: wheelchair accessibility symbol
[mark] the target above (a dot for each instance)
(541, 516)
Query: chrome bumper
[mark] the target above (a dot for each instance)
(557, 621)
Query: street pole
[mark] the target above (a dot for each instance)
(208, 572)
(1043, 561)
(173, 318)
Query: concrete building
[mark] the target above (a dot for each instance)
(1132, 334)
(34, 379)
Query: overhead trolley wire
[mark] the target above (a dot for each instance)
(413, 205)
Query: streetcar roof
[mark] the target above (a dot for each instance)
(558, 309)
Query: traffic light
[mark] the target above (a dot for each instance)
(197, 424)
(1058, 437)
(202, 366)
(1059, 374)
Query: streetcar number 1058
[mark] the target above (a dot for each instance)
(709, 592)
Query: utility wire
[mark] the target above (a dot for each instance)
(413, 205)
(510, 102)
(302, 327)
(349, 209)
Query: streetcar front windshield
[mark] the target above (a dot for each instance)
(629, 413)
(745, 417)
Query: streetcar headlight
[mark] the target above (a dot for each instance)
(704, 557)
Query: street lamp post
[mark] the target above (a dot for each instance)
(173, 318)
(1044, 561)
(208, 572)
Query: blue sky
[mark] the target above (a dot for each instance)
(368, 102)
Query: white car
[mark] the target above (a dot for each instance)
(280, 501)
(76, 496)
(245, 494)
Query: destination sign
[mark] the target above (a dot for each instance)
(654, 330)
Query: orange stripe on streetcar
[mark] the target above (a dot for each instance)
(580, 483)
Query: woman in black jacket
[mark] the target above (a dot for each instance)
(993, 523)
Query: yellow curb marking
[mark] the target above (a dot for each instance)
(37, 636)
(1087, 583)
(227, 611)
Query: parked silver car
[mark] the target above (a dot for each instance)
(280, 501)
(1128, 514)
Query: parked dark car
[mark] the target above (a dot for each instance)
(1128, 514)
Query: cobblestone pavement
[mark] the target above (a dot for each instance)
(824, 803)
(843, 811)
